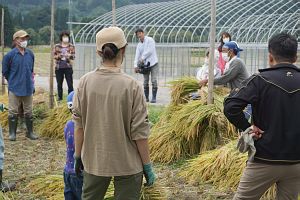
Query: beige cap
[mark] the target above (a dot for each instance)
(20, 33)
(112, 35)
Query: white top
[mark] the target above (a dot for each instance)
(202, 73)
(228, 63)
(146, 51)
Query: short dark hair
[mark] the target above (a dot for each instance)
(139, 30)
(283, 47)
(64, 33)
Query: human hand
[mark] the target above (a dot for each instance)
(136, 70)
(256, 132)
(149, 174)
(78, 166)
(203, 82)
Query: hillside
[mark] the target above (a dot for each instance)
(34, 15)
(80, 8)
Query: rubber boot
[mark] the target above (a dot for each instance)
(5, 186)
(29, 125)
(154, 92)
(146, 92)
(12, 127)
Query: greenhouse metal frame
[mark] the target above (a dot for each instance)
(181, 28)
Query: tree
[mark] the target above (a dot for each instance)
(8, 26)
(34, 36)
(44, 33)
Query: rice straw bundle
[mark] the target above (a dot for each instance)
(7, 196)
(222, 167)
(192, 128)
(180, 88)
(155, 192)
(4, 115)
(49, 186)
(53, 125)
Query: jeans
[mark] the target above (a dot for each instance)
(248, 112)
(73, 186)
(154, 74)
(60, 74)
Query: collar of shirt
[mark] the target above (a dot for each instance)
(16, 50)
(110, 69)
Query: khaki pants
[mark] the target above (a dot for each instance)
(15, 101)
(126, 187)
(258, 178)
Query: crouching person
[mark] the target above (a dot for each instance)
(111, 125)
(73, 182)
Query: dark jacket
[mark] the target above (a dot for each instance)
(274, 94)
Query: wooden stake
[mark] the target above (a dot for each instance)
(2, 48)
(210, 97)
(51, 94)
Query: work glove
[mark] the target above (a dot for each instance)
(78, 166)
(149, 174)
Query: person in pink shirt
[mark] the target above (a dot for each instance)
(225, 37)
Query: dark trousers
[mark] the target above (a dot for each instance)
(125, 187)
(73, 186)
(60, 75)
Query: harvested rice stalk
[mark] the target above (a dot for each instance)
(7, 196)
(51, 187)
(222, 167)
(53, 125)
(194, 128)
(180, 88)
(155, 192)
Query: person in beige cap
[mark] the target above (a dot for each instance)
(111, 125)
(17, 68)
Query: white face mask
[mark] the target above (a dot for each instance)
(225, 40)
(225, 57)
(23, 44)
(65, 39)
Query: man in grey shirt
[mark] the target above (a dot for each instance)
(235, 70)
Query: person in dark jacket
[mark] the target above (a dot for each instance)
(274, 94)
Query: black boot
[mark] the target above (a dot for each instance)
(5, 186)
(154, 92)
(12, 127)
(146, 92)
(29, 125)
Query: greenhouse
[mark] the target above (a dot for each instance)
(181, 31)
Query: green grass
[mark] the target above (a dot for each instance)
(154, 113)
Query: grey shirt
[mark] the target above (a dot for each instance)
(234, 75)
